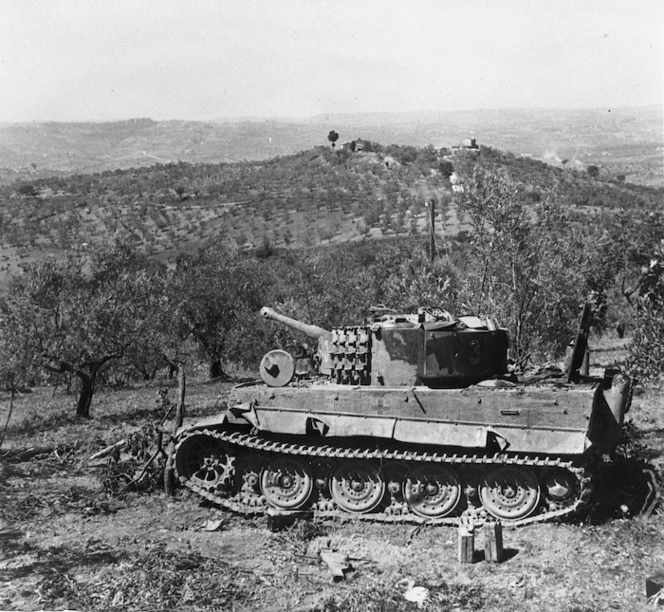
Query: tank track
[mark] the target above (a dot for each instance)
(253, 503)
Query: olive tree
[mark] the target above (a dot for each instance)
(217, 296)
(646, 349)
(13, 374)
(529, 262)
(78, 314)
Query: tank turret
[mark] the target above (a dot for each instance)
(430, 348)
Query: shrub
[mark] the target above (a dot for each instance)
(646, 350)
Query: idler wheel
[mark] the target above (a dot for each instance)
(432, 491)
(205, 461)
(509, 492)
(357, 486)
(286, 483)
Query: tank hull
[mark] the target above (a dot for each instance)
(520, 453)
(541, 420)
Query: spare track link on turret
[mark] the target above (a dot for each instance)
(241, 480)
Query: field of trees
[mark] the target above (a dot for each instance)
(124, 271)
(129, 277)
(316, 197)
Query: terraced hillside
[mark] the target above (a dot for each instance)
(318, 196)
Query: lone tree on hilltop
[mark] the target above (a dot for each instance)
(333, 137)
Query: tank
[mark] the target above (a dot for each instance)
(408, 418)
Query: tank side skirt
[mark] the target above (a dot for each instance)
(262, 411)
(469, 434)
(560, 409)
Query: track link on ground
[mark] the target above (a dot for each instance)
(393, 512)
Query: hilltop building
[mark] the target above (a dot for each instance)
(467, 144)
(357, 145)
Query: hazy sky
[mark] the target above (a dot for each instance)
(81, 60)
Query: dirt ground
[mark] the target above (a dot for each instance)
(70, 541)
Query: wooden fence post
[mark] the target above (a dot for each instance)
(169, 470)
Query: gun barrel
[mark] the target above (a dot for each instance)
(313, 331)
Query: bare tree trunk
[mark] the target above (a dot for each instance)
(87, 391)
(215, 369)
(169, 470)
(9, 414)
(182, 388)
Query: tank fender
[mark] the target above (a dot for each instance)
(495, 438)
(611, 403)
(246, 411)
(210, 422)
(619, 396)
(317, 426)
(463, 435)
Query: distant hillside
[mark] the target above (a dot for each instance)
(318, 196)
(627, 142)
